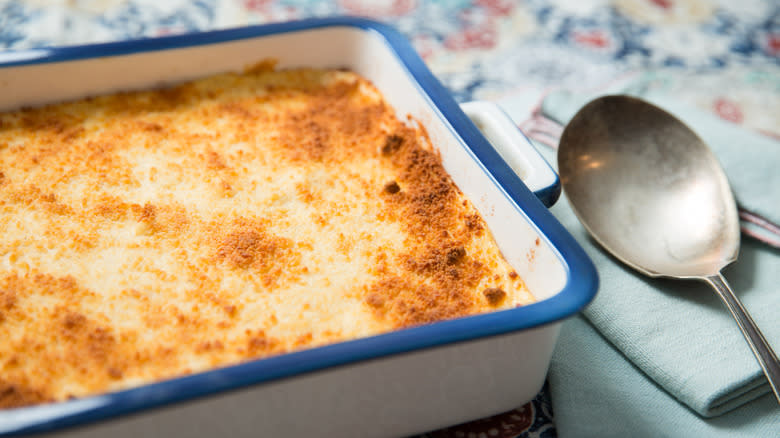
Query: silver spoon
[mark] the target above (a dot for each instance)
(651, 192)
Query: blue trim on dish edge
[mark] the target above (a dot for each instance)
(580, 288)
(550, 194)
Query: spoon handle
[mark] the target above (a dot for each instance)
(766, 357)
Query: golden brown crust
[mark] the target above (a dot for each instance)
(494, 295)
(152, 234)
(17, 394)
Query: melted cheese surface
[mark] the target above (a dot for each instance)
(149, 235)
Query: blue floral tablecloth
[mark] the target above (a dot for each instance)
(720, 56)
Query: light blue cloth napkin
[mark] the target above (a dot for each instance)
(597, 393)
(665, 354)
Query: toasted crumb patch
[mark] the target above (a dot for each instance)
(392, 144)
(392, 187)
(17, 394)
(494, 295)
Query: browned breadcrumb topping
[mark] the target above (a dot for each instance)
(148, 235)
(494, 295)
(392, 187)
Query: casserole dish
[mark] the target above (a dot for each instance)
(398, 383)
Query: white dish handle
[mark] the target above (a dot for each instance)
(518, 152)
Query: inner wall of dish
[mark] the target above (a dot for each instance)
(364, 51)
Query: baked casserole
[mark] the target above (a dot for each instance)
(148, 235)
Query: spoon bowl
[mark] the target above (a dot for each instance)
(651, 192)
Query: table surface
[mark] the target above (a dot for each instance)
(720, 56)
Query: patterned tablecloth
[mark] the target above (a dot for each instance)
(721, 56)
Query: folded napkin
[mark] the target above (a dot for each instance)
(662, 354)
(597, 393)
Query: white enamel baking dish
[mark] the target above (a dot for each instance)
(401, 383)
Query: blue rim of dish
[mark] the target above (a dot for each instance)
(579, 290)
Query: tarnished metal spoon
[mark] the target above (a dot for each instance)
(651, 192)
